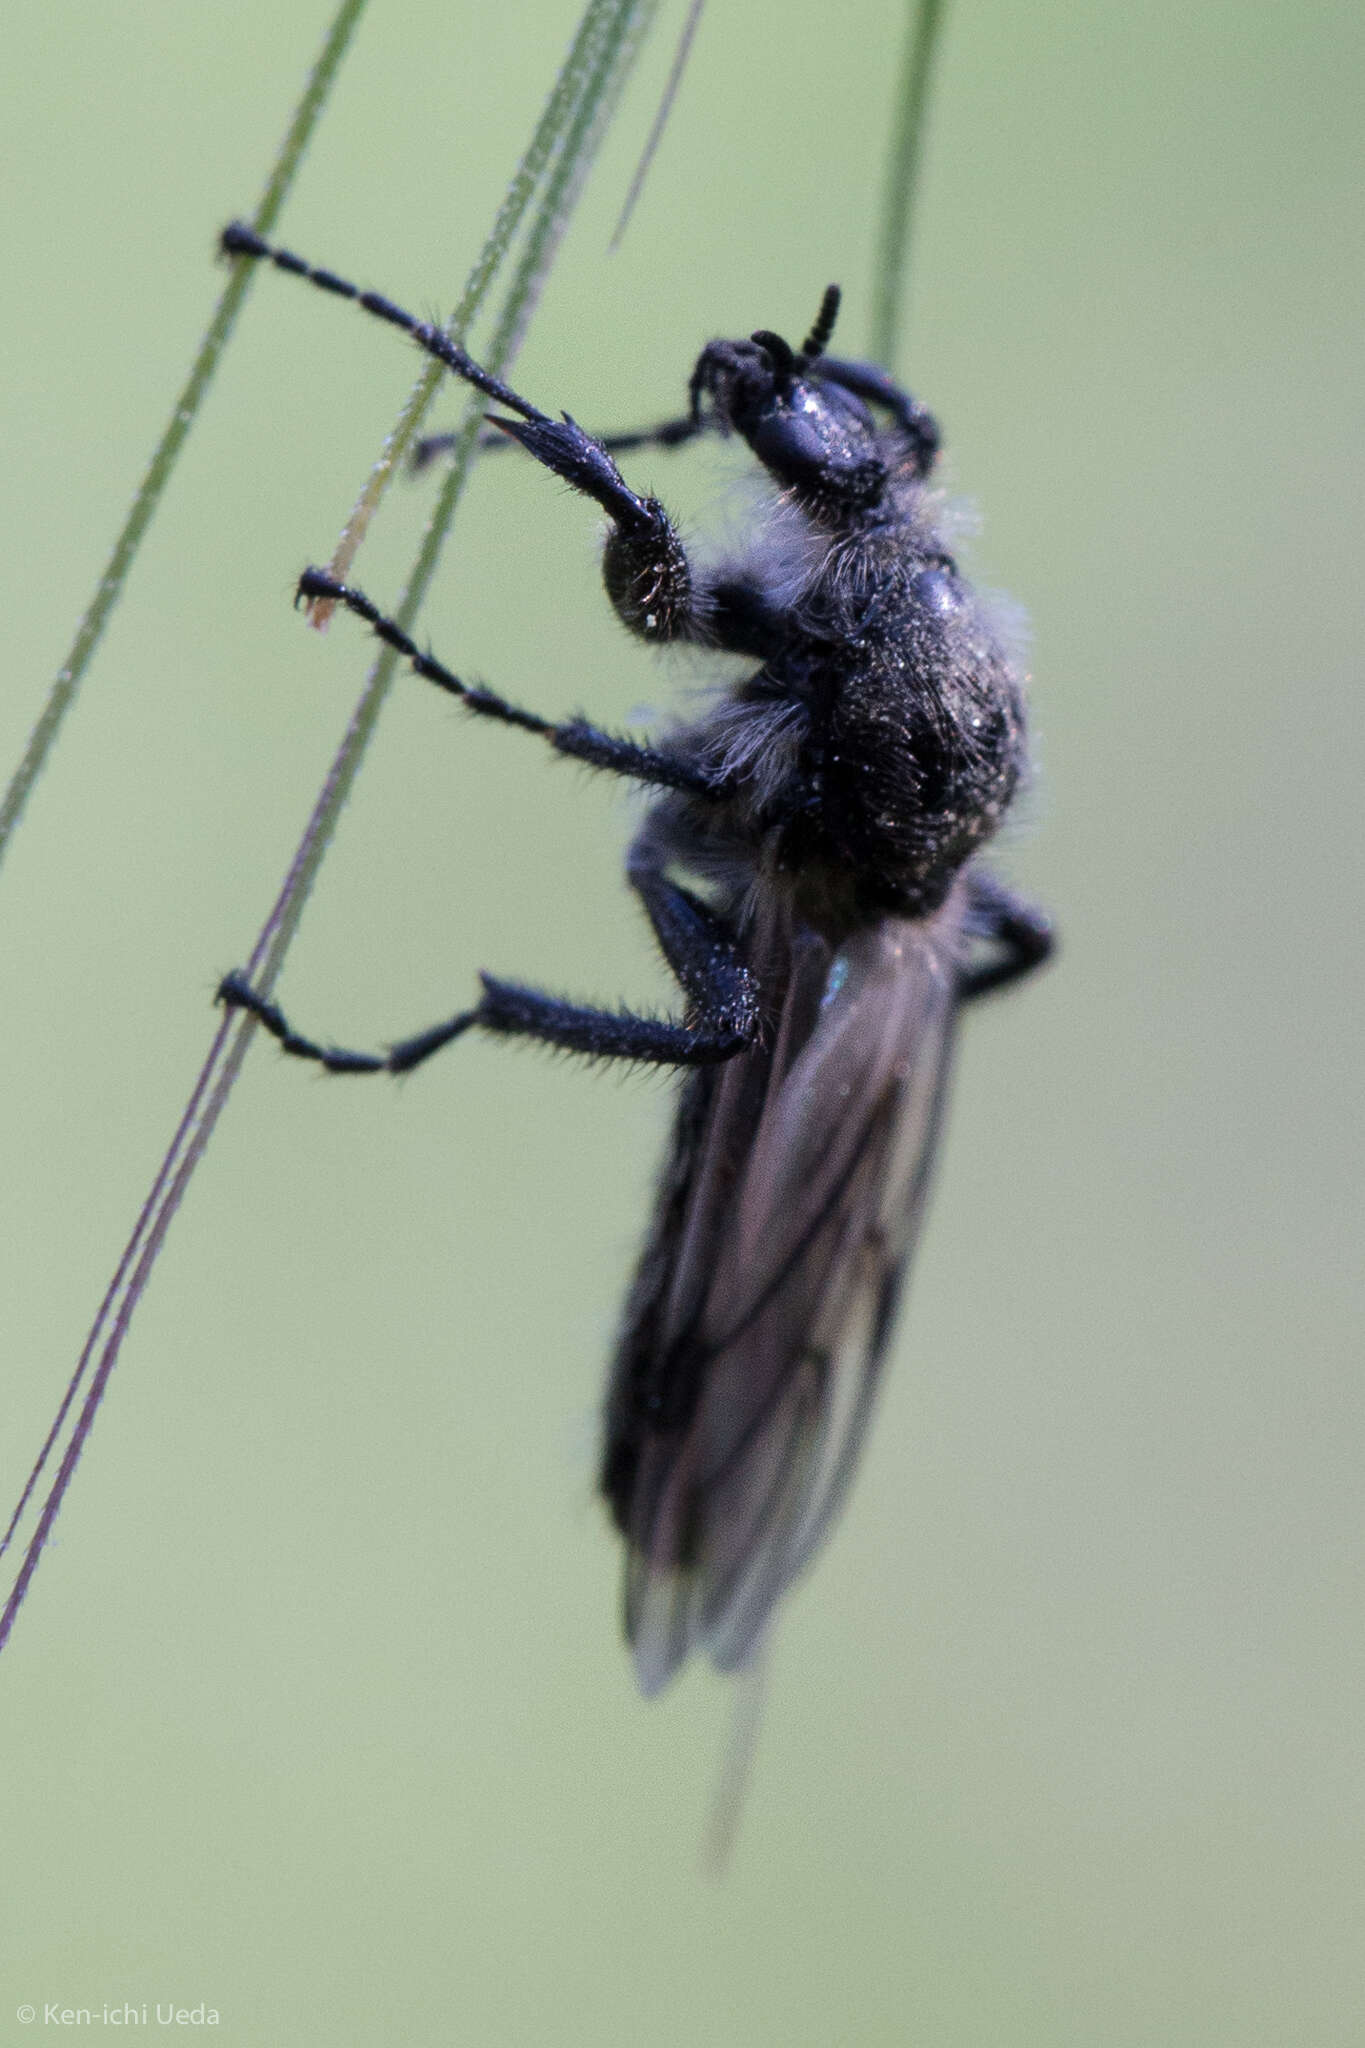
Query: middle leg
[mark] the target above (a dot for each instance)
(574, 737)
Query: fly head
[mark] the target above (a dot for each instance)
(813, 436)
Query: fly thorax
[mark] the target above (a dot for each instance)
(924, 740)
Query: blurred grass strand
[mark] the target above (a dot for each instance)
(690, 26)
(596, 67)
(902, 176)
(69, 677)
(592, 42)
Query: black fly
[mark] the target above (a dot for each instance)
(810, 872)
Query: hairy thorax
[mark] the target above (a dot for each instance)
(882, 739)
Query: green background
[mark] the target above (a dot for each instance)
(318, 1712)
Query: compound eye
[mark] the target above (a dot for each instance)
(790, 445)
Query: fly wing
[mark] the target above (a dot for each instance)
(798, 1184)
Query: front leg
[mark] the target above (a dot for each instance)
(667, 434)
(645, 566)
(870, 382)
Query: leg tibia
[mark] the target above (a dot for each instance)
(1021, 934)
